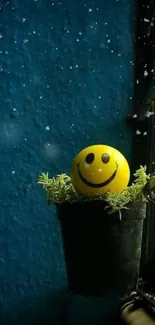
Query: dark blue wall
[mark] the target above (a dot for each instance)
(66, 82)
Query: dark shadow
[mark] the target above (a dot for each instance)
(51, 308)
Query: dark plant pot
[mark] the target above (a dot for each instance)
(102, 252)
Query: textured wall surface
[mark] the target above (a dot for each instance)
(66, 81)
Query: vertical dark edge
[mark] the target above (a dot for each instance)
(142, 119)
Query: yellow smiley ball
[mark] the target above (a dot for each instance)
(99, 169)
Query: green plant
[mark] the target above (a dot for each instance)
(59, 189)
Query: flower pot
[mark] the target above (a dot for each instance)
(102, 252)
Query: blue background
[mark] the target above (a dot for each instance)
(66, 82)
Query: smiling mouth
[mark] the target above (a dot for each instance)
(109, 180)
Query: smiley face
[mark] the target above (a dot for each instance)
(99, 169)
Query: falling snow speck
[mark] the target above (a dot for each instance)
(25, 41)
(146, 20)
(149, 114)
(90, 10)
(13, 172)
(23, 20)
(145, 73)
(47, 128)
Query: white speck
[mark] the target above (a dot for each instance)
(99, 97)
(145, 133)
(145, 73)
(25, 41)
(100, 170)
(135, 116)
(80, 33)
(152, 70)
(23, 85)
(13, 171)
(152, 162)
(130, 97)
(1, 36)
(146, 20)
(41, 97)
(23, 20)
(90, 10)
(112, 51)
(76, 66)
(137, 81)
(119, 54)
(148, 114)
(14, 109)
(34, 32)
(48, 86)
(108, 40)
(47, 128)
(70, 67)
(105, 23)
(138, 132)
(77, 40)
(25, 139)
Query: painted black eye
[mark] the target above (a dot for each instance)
(105, 158)
(90, 158)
